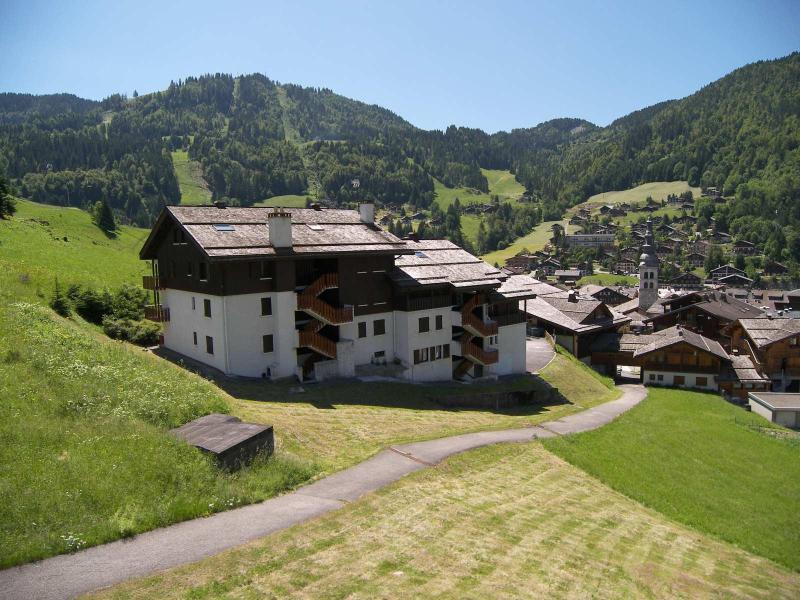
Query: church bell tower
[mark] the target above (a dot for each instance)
(648, 270)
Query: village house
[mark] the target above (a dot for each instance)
(695, 259)
(320, 293)
(744, 247)
(685, 281)
(589, 240)
(772, 267)
(606, 294)
(773, 344)
(724, 271)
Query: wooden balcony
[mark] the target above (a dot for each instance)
(152, 282)
(157, 313)
(309, 302)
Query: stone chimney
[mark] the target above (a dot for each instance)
(367, 211)
(280, 228)
(572, 296)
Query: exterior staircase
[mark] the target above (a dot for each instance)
(471, 322)
(308, 301)
(475, 353)
(461, 369)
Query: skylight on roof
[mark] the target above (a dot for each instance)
(420, 254)
(223, 227)
(315, 227)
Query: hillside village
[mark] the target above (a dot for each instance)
(262, 340)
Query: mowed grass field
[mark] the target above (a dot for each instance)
(535, 240)
(510, 521)
(658, 190)
(608, 279)
(43, 242)
(194, 189)
(287, 201)
(702, 462)
(342, 423)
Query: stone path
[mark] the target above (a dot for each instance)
(69, 575)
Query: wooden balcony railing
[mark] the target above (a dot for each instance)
(157, 313)
(315, 341)
(461, 369)
(477, 354)
(328, 281)
(152, 282)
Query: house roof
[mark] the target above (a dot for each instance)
(574, 315)
(568, 273)
(741, 369)
(218, 433)
(677, 335)
(777, 401)
(525, 286)
(322, 231)
(766, 331)
(442, 263)
(719, 304)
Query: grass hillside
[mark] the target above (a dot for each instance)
(702, 462)
(43, 242)
(194, 189)
(501, 183)
(86, 455)
(287, 201)
(535, 240)
(510, 521)
(658, 190)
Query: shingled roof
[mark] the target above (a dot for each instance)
(244, 231)
(442, 263)
(676, 335)
(574, 315)
(767, 331)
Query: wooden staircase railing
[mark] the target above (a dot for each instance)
(478, 354)
(461, 369)
(315, 341)
(472, 323)
(309, 302)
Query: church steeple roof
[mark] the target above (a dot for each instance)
(648, 257)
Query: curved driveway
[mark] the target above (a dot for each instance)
(69, 575)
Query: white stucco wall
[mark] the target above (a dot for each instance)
(183, 321)
(364, 349)
(511, 350)
(759, 409)
(689, 379)
(408, 339)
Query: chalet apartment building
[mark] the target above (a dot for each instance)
(315, 293)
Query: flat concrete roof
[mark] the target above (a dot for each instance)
(218, 433)
(777, 400)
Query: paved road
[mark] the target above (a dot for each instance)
(537, 354)
(69, 575)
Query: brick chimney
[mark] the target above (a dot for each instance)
(367, 212)
(279, 222)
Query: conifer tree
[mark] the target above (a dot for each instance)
(104, 217)
(8, 205)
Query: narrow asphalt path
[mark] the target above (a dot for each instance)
(69, 575)
(538, 353)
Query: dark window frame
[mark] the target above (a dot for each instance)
(362, 329)
(267, 343)
(266, 306)
(209, 345)
(424, 325)
(439, 322)
(379, 327)
(207, 307)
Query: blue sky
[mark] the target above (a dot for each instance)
(489, 65)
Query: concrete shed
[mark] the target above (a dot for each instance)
(232, 442)
(783, 409)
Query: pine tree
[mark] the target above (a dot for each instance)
(104, 217)
(59, 301)
(8, 205)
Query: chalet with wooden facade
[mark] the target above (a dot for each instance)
(320, 293)
(773, 344)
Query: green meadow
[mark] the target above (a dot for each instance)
(194, 189)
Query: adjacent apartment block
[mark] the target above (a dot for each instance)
(318, 293)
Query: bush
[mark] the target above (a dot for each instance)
(59, 302)
(93, 305)
(140, 332)
(129, 303)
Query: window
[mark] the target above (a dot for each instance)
(701, 381)
(438, 322)
(194, 338)
(263, 270)
(424, 324)
(661, 378)
(207, 307)
(446, 351)
(178, 236)
(417, 357)
(209, 344)
(189, 269)
(266, 343)
(266, 307)
(362, 329)
(202, 270)
(378, 327)
(652, 376)
(678, 380)
(193, 303)
(379, 354)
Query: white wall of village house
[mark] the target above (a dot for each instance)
(184, 321)
(408, 338)
(690, 379)
(511, 350)
(366, 347)
(245, 327)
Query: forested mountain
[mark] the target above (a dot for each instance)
(256, 138)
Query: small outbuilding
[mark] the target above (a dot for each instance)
(232, 442)
(783, 409)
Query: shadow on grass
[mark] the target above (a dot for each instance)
(515, 395)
